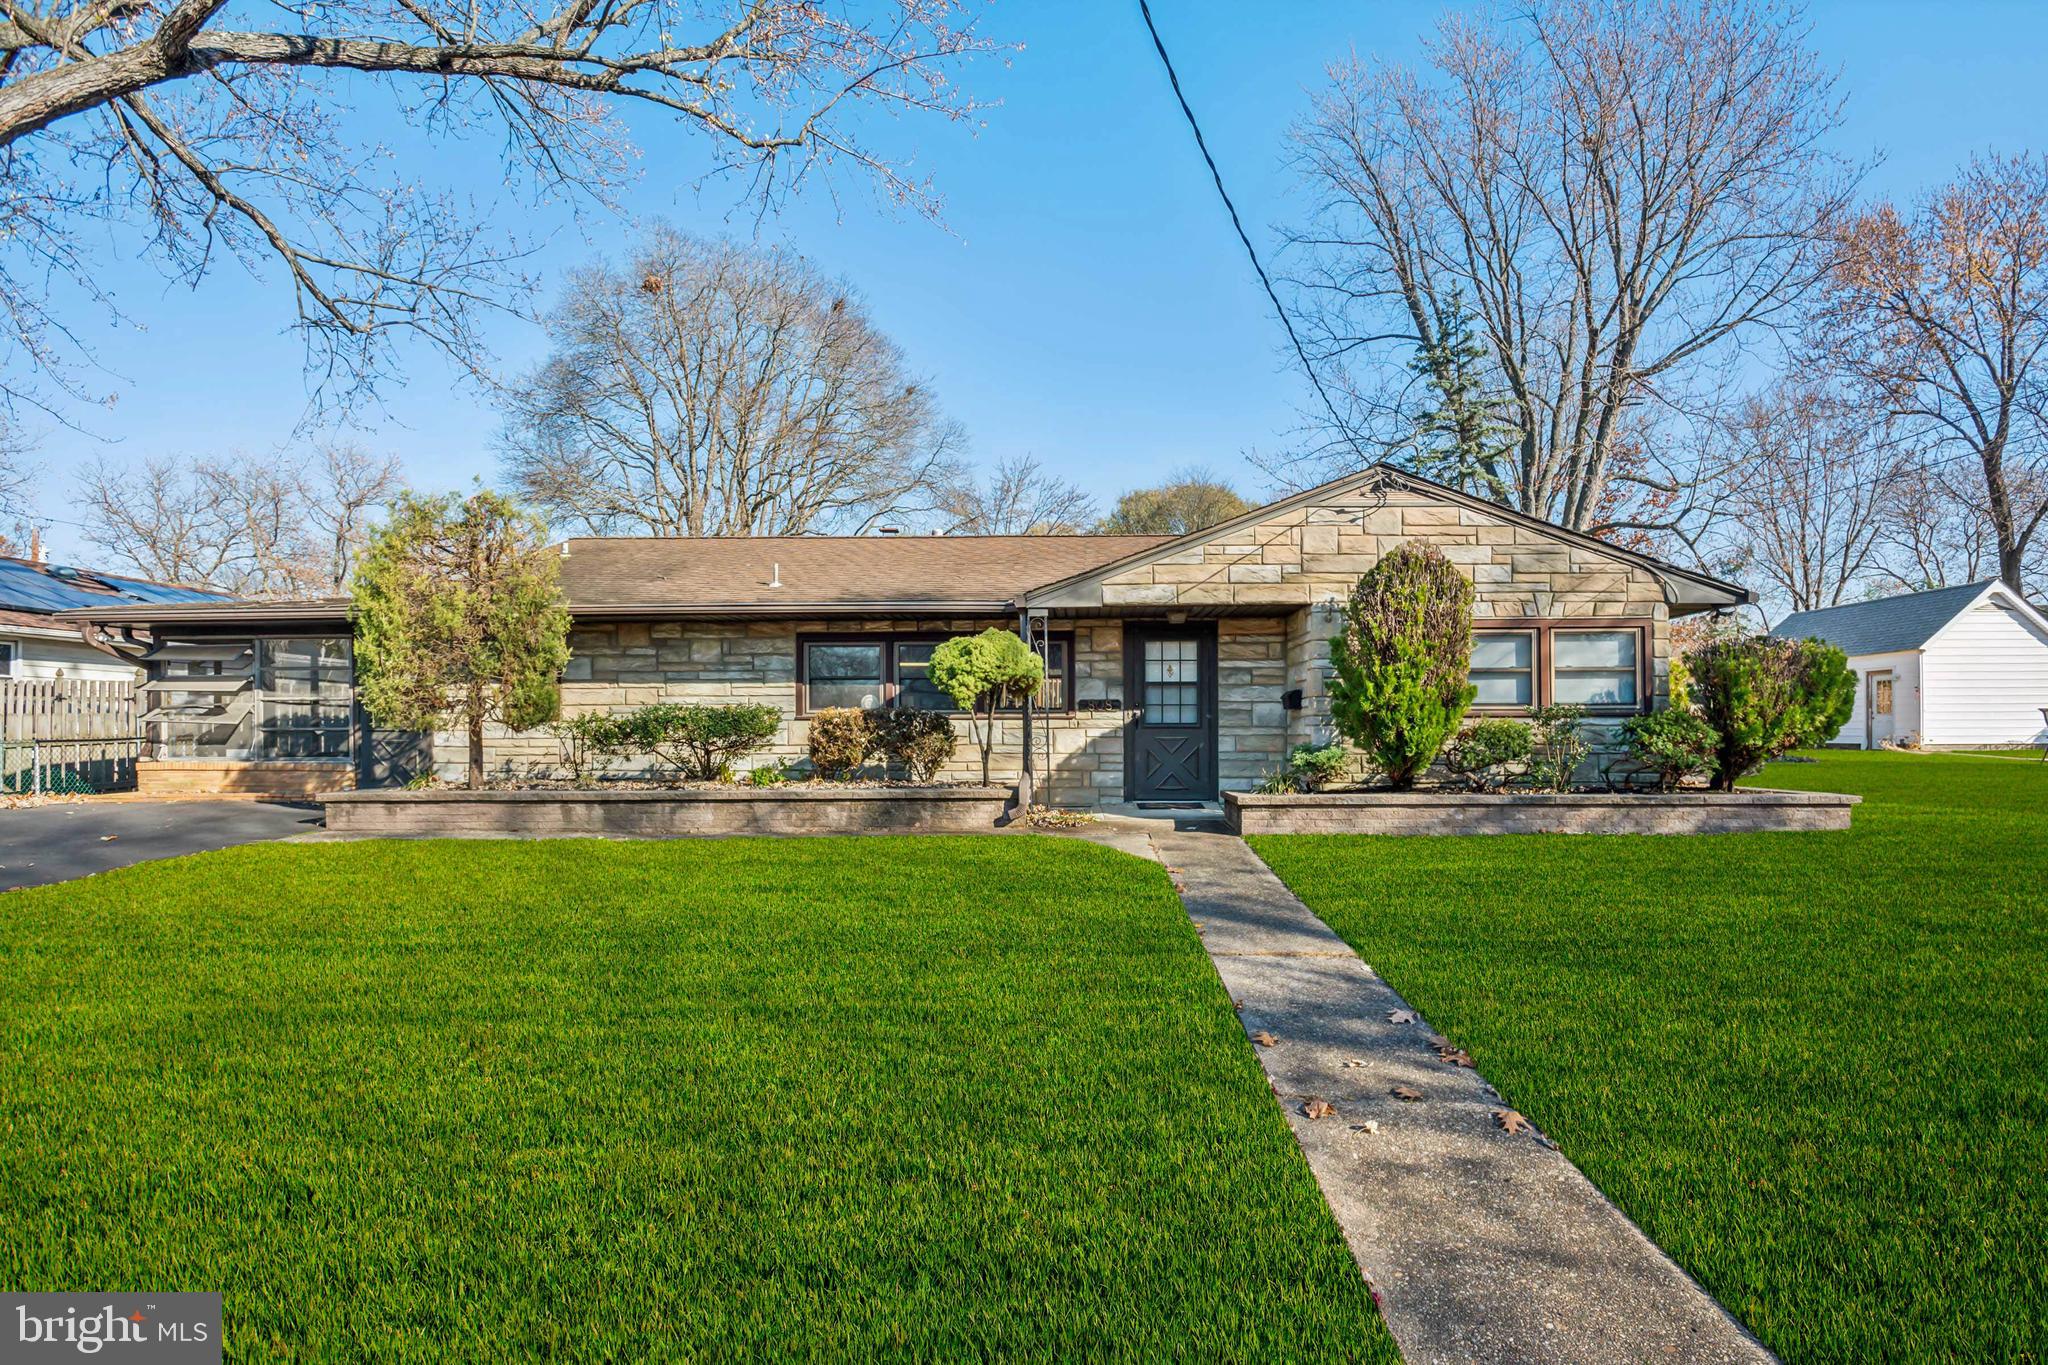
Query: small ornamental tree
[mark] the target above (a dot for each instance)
(1400, 687)
(984, 673)
(459, 620)
(1764, 697)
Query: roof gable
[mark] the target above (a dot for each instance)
(1684, 589)
(1884, 625)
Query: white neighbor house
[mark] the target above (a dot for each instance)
(1953, 668)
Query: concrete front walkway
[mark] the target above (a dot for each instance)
(1478, 1243)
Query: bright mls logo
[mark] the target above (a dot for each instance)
(168, 1329)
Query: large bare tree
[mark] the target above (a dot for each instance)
(1944, 311)
(1019, 497)
(235, 128)
(1619, 195)
(704, 388)
(1807, 508)
(269, 526)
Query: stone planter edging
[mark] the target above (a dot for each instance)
(668, 814)
(1751, 810)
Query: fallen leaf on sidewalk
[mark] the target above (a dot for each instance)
(1400, 1016)
(1264, 1039)
(1406, 1093)
(1456, 1056)
(108, 838)
(1369, 1126)
(1354, 1062)
(1318, 1109)
(1511, 1122)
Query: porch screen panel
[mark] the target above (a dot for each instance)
(307, 698)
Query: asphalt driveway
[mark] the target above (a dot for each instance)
(57, 842)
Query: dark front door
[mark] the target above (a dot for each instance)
(1170, 680)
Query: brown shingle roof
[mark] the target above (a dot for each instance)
(613, 572)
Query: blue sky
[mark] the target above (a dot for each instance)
(1085, 302)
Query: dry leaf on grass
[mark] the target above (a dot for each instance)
(1318, 1109)
(1264, 1039)
(1511, 1122)
(1406, 1093)
(1400, 1016)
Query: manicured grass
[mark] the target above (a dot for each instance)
(1813, 1067)
(934, 1098)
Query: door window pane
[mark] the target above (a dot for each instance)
(1504, 668)
(1594, 667)
(1172, 677)
(1881, 700)
(843, 675)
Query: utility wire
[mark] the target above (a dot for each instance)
(1300, 352)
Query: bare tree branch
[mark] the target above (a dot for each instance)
(1621, 194)
(706, 388)
(200, 123)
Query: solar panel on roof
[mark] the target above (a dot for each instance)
(29, 587)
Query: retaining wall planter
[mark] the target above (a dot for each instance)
(1749, 811)
(668, 814)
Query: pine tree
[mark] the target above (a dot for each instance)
(1460, 439)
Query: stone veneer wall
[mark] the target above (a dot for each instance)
(1305, 562)
(618, 666)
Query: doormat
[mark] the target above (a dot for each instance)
(1169, 805)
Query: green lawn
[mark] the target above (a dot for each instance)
(1813, 1067)
(847, 1098)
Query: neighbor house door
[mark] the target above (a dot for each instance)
(1877, 709)
(1170, 683)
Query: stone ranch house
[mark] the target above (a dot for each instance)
(1178, 667)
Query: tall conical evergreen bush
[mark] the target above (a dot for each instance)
(1402, 661)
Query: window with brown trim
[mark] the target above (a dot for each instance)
(1602, 665)
(877, 670)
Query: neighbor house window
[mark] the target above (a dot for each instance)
(1594, 668)
(6, 658)
(1504, 668)
(870, 671)
(1521, 665)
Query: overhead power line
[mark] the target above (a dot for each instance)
(1202, 144)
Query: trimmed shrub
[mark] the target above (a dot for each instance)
(841, 739)
(588, 741)
(1485, 753)
(918, 742)
(984, 673)
(1313, 767)
(1400, 687)
(1674, 744)
(702, 742)
(1764, 696)
(1560, 745)
(1309, 768)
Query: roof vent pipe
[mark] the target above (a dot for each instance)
(774, 575)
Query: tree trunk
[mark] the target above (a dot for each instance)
(476, 750)
(988, 741)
